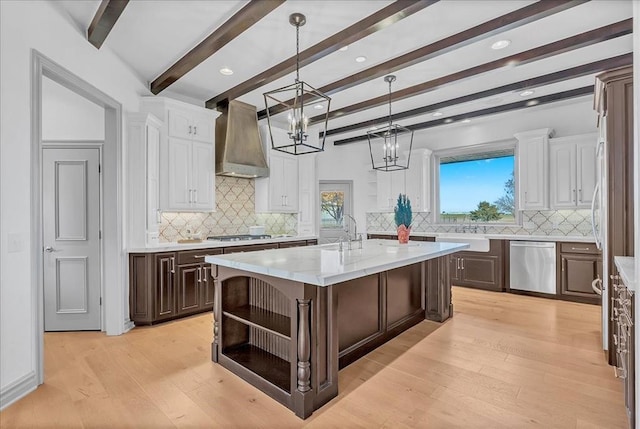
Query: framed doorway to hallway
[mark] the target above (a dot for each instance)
(336, 202)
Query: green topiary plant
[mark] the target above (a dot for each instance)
(403, 215)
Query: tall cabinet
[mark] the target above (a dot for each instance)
(533, 167)
(187, 154)
(572, 175)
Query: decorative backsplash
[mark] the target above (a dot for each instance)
(235, 214)
(575, 223)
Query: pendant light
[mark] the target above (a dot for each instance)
(390, 146)
(295, 101)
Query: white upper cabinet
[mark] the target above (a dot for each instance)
(307, 194)
(187, 154)
(143, 158)
(415, 182)
(572, 171)
(533, 169)
(277, 193)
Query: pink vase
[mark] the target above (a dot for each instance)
(403, 234)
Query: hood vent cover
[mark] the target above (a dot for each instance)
(239, 150)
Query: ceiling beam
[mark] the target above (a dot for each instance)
(509, 21)
(552, 98)
(253, 12)
(105, 18)
(377, 21)
(555, 77)
(587, 38)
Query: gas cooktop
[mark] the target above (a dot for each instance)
(239, 237)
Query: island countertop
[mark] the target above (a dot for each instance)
(325, 265)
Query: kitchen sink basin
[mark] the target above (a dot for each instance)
(477, 243)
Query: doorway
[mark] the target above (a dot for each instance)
(335, 207)
(71, 206)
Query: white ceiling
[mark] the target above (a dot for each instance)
(151, 35)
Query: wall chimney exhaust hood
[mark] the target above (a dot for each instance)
(239, 150)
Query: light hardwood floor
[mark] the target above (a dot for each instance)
(503, 361)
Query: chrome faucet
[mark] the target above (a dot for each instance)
(356, 237)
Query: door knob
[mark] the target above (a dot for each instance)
(49, 249)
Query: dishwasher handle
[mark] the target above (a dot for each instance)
(532, 244)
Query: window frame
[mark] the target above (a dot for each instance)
(467, 150)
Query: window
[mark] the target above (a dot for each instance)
(477, 187)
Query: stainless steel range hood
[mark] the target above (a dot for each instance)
(239, 150)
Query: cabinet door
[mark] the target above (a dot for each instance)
(383, 187)
(577, 273)
(153, 183)
(290, 173)
(585, 172)
(202, 176)
(562, 158)
(165, 295)
(203, 128)
(454, 269)
(480, 271)
(189, 281)
(180, 192)
(397, 185)
(533, 169)
(417, 182)
(180, 124)
(276, 182)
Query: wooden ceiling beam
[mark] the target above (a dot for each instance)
(509, 21)
(249, 15)
(551, 98)
(555, 77)
(377, 21)
(103, 21)
(581, 40)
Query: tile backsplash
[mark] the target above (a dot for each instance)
(235, 214)
(569, 223)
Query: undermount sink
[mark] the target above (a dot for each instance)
(477, 243)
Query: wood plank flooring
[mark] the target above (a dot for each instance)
(503, 361)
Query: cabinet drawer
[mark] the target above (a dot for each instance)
(288, 244)
(196, 256)
(579, 248)
(250, 248)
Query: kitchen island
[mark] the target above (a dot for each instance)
(286, 320)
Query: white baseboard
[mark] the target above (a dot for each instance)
(128, 325)
(18, 389)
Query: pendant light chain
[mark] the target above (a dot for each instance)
(390, 104)
(297, 53)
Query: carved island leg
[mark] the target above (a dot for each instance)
(217, 310)
(303, 396)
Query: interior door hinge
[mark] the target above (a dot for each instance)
(100, 300)
(99, 168)
(99, 235)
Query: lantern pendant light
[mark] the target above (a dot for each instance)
(390, 146)
(295, 101)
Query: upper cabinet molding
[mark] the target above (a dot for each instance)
(532, 134)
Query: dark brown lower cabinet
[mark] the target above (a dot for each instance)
(480, 270)
(189, 285)
(165, 286)
(578, 264)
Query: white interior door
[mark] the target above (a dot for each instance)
(335, 204)
(72, 260)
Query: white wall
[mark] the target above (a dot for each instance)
(27, 25)
(353, 161)
(69, 116)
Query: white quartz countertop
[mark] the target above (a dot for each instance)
(210, 244)
(627, 269)
(555, 238)
(325, 265)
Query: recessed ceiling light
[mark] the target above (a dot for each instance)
(318, 107)
(500, 44)
(532, 102)
(437, 113)
(526, 93)
(448, 120)
(466, 121)
(361, 59)
(226, 71)
(344, 48)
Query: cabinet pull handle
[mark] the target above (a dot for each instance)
(199, 256)
(189, 129)
(580, 248)
(195, 130)
(195, 195)
(190, 196)
(173, 265)
(462, 261)
(525, 196)
(458, 263)
(580, 193)
(199, 274)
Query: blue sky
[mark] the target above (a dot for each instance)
(464, 184)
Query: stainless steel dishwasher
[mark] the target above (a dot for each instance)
(533, 266)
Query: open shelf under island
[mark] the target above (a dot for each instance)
(286, 320)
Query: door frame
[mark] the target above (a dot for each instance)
(82, 144)
(333, 182)
(115, 318)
